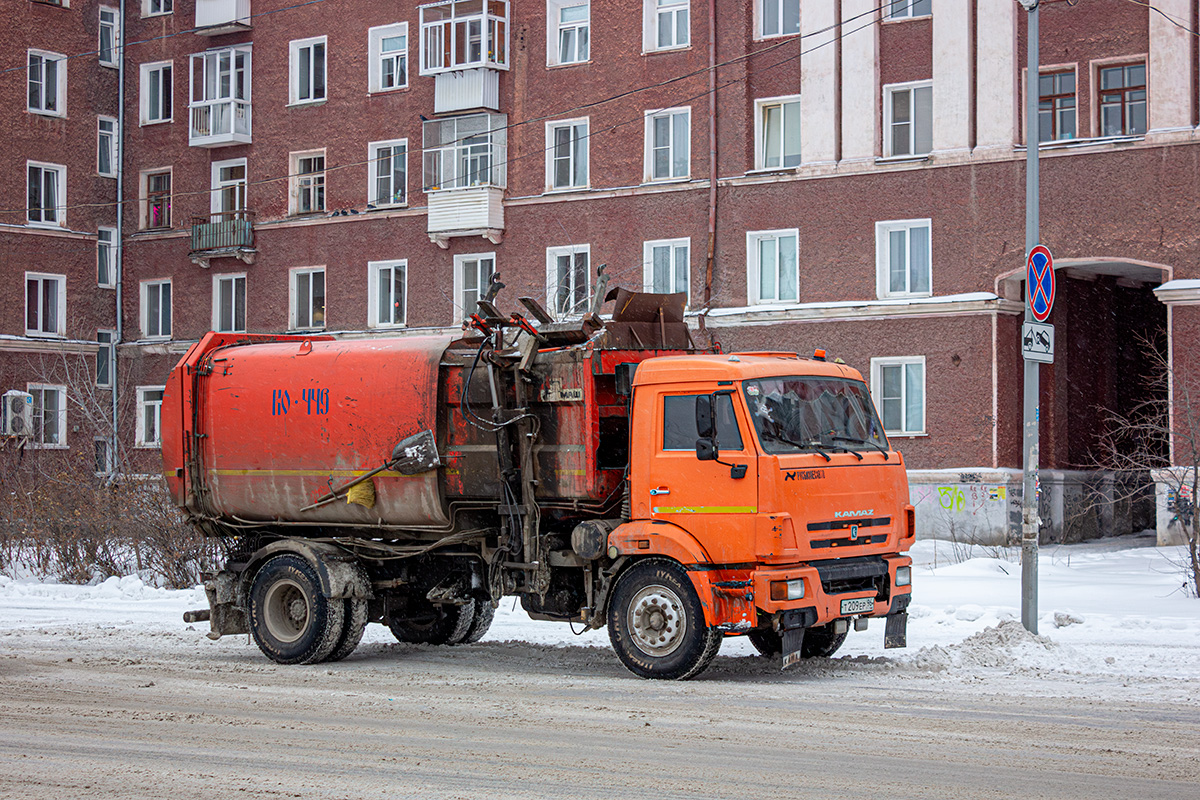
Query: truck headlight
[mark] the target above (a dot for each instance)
(788, 590)
(903, 576)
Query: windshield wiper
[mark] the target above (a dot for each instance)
(810, 446)
(845, 448)
(876, 445)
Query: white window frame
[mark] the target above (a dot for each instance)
(59, 208)
(375, 164)
(883, 253)
(113, 149)
(648, 263)
(106, 250)
(294, 48)
(106, 348)
(555, 28)
(218, 287)
(60, 305)
(581, 306)
(877, 365)
(460, 290)
(753, 266)
(480, 29)
(580, 145)
(374, 268)
(37, 440)
(157, 8)
(169, 317)
(760, 132)
(651, 11)
(218, 187)
(888, 113)
(375, 37)
(142, 441)
(762, 18)
(463, 152)
(905, 9)
(60, 83)
(113, 27)
(294, 298)
(144, 198)
(166, 100)
(302, 182)
(672, 147)
(219, 101)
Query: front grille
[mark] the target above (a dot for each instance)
(854, 575)
(843, 524)
(861, 540)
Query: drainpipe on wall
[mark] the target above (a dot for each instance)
(119, 259)
(712, 165)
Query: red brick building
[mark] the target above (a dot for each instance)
(854, 168)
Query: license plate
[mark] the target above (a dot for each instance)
(858, 605)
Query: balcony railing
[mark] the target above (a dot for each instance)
(224, 233)
(219, 122)
(215, 17)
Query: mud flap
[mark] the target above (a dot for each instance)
(895, 632)
(792, 640)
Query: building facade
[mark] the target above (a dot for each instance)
(842, 174)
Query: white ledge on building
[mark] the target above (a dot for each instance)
(474, 211)
(971, 302)
(1179, 293)
(215, 17)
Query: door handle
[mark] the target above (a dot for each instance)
(659, 490)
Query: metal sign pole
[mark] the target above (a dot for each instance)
(1029, 498)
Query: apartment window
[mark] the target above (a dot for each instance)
(902, 258)
(1123, 100)
(156, 203)
(106, 252)
(567, 154)
(568, 28)
(773, 274)
(49, 415)
(388, 48)
(152, 8)
(308, 299)
(308, 183)
(665, 266)
(228, 189)
(156, 309)
(907, 9)
(465, 151)
(568, 279)
(778, 17)
(156, 93)
(103, 453)
(472, 274)
(307, 84)
(47, 83)
(389, 173)
(106, 147)
(110, 36)
(898, 387)
(220, 94)
(1056, 105)
(668, 144)
(665, 24)
(46, 193)
(229, 303)
(104, 358)
(908, 119)
(387, 283)
(149, 417)
(777, 133)
(459, 34)
(45, 304)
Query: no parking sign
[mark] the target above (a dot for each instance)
(1039, 282)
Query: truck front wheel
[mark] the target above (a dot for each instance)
(656, 623)
(290, 620)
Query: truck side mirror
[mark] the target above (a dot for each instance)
(706, 449)
(704, 418)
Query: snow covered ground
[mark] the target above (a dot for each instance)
(1115, 622)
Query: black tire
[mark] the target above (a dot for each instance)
(290, 620)
(821, 642)
(422, 622)
(656, 623)
(766, 641)
(355, 616)
(485, 612)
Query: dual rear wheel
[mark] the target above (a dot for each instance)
(292, 622)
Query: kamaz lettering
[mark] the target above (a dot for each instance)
(843, 514)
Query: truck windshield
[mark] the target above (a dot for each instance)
(808, 413)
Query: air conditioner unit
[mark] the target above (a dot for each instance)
(18, 413)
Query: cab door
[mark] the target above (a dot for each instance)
(704, 497)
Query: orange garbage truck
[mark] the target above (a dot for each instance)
(606, 471)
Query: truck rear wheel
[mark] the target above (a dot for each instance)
(422, 622)
(485, 612)
(656, 623)
(355, 615)
(290, 620)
